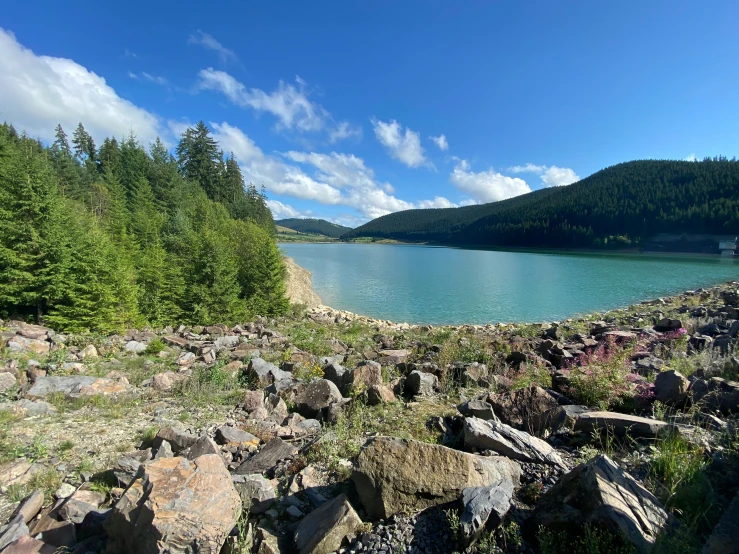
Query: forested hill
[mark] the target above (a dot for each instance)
(314, 227)
(122, 235)
(618, 207)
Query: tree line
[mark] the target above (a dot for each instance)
(311, 226)
(621, 206)
(117, 236)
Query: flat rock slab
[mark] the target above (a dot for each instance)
(231, 436)
(268, 457)
(257, 493)
(479, 504)
(74, 386)
(620, 424)
(723, 539)
(175, 506)
(400, 476)
(599, 492)
(510, 442)
(325, 528)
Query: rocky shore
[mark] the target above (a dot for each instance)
(330, 432)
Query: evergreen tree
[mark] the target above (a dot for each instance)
(198, 159)
(61, 141)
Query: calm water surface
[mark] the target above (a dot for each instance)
(423, 284)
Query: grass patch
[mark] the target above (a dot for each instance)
(588, 540)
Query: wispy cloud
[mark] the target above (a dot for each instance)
(144, 76)
(441, 142)
(209, 42)
(403, 145)
(344, 130)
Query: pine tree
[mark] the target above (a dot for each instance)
(61, 140)
(198, 159)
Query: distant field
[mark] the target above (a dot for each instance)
(285, 230)
(294, 236)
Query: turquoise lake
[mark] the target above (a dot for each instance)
(437, 285)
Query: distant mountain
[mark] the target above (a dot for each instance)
(314, 227)
(619, 207)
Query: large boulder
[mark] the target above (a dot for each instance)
(24, 344)
(600, 493)
(398, 476)
(620, 425)
(518, 408)
(510, 442)
(421, 384)
(175, 506)
(265, 373)
(268, 457)
(315, 397)
(323, 530)
(671, 387)
(257, 493)
(716, 394)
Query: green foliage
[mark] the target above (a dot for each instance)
(314, 227)
(155, 347)
(588, 540)
(618, 207)
(117, 238)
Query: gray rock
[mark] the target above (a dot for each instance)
(231, 436)
(177, 438)
(510, 442)
(666, 325)
(7, 381)
(135, 346)
(204, 445)
(257, 493)
(268, 457)
(598, 492)
(671, 387)
(480, 504)
(380, 394)
(228, 341)
(14, 530)
(421, 384)
(716, 394)
(557, 419)
(477, 408)
(324, 530)
(395, 476)
(315, 397)
(164, 451)
(518, 408)
(265, 373)
(81, 503)
(30, 506)
(620, 424)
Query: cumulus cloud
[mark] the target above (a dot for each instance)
(39, 92)
(691, 158)
(437, 202)
(403, 145)
(441, 142)
(144, 76)
(486, 186)
(284, 211)
(329, 179)
(344, 130)
(207, 41)
(551, 176)
(289, 103)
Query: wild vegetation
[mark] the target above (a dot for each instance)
(619, 207)
(681, 448)
(121, 235)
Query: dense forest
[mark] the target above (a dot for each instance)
(314, 227)
(618, 207)
(115, 236)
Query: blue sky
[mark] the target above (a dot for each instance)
(338, 107)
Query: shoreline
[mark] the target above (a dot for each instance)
(323, 311)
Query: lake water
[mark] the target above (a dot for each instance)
(424, 284)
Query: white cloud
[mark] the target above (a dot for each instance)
(344, 130)
(486, 186)
(551, 176)
(404, 146)
(127, 54)
(691, 158)
(207, 41)
(288, 103)
(284, 211)
(144, 76)
(329, 179)
(39, 92)
(441, 142)
(437, 202)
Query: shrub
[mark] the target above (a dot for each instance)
(155, 347)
